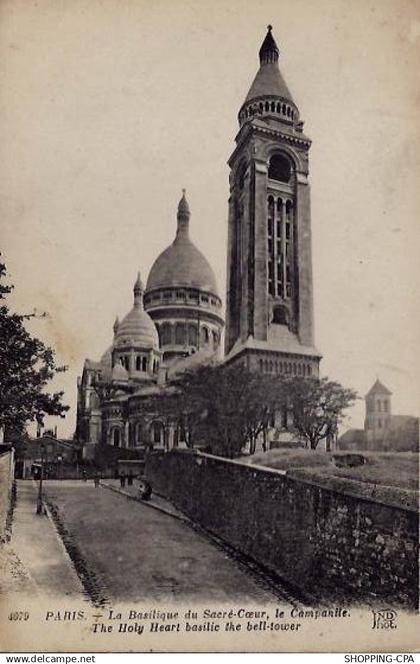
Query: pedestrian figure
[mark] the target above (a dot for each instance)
(96, 481)
(145, 490)
(129, 480)
(122, 480)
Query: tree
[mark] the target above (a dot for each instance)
(228, 405)
(317, 406)
(27, 366)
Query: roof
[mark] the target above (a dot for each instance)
(51, 439)
(378, 388)
(92, 364)
(279, 340)
(204, 356)
(182, 264)
(269, 80)
(401, 422)
(353, 435)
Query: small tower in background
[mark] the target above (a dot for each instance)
(378, 412)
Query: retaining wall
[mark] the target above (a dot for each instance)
(327, 543)
(6, 482)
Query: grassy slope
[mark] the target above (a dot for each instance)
(389, 477)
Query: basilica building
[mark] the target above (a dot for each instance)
(176, 321)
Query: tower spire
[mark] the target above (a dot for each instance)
(138, 291)
(183, 216)
(269, 51)
(269, 90)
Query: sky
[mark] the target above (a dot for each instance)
(108, 109)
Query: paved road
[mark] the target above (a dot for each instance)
(138, 553)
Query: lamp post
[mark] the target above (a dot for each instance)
(60, 467)
(41, 477)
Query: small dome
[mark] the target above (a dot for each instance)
(137, 328)
(182, 264)
(119, 373)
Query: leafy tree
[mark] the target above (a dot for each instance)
(229, 405)
(27, 366)
(317, 406)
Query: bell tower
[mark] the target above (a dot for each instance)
(269, 303)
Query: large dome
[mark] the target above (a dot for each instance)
(137, 328)
(182, 264)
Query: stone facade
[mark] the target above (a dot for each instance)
(174, 325)
(182, 296)
(382, 431)
(327, 544)
(269, 301)
(6, 483)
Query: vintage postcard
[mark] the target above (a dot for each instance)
(209, 326)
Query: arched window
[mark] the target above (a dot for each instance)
(138, 363)
(267, 106)
(278, 108)
(280, 316)
(215, 339)
(180, 339)
(144, 364)
(116, 437)
(205, 335)
(283, 109)
(157, 432)
(138, 433)
(166, 334)
(280, 168)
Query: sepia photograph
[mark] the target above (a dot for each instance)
(209, 326)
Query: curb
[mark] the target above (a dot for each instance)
(146, 503)
(66, 554)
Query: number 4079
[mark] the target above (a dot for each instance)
(19, 615)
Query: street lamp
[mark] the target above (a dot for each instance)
(60, 467)
(41, 477)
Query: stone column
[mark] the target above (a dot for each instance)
(260, 255)
(125, 442)
(231, 270)
(304, 253)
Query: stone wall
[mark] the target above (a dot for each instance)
(327, 543)
(6, 483)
